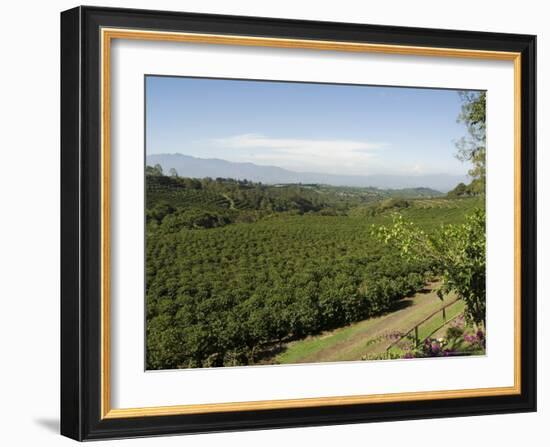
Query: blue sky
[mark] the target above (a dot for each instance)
(336, 129)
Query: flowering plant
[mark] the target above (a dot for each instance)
(457, 341)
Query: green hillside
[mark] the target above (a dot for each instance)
(237, 269)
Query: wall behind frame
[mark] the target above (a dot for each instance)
(29, 228)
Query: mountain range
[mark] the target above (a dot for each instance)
(188, 166)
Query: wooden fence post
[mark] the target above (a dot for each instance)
(415, 328)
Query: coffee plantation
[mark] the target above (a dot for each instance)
(235, 269)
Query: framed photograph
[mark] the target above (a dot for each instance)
(276, 223)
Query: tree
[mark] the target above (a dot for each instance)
(173, 172)
(153, 170)
(456, 252)
(472, 148)
(460, 190)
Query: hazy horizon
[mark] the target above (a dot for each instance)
(412, 174)
(200, 167)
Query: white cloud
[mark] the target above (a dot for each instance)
(330, 156)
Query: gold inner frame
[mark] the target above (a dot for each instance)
(107, 35)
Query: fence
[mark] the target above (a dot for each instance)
(415, 329)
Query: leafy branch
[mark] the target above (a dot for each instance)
(457, 253)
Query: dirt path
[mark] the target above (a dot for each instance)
(231, 202)
(365, 337)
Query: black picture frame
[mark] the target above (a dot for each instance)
(81, 223)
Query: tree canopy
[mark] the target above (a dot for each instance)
(235, 267)
(472, 148)
(456, 252)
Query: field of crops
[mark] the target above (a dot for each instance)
(236, 269)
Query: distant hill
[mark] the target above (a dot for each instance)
(188, 166)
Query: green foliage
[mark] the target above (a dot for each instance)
(456, 252)
(244, 286)
(195, 219)
(463, 190)
(393, 204)
(243, 195)
(473, 147)
(159, 211)
(235, 267)
(459, 340)
(153, 170)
